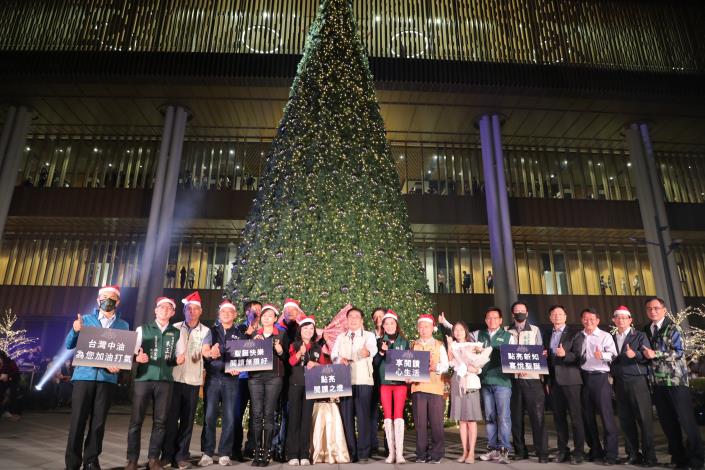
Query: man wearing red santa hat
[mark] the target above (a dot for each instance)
(93, 387)
(194, 339)
(629, 372)
(157, 352)
(220, 387)
(427, 397)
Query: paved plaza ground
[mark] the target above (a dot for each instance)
(38, 441)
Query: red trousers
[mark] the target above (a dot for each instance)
(393, 398)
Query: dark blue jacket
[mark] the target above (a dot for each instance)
(622, 365)
(215, 368)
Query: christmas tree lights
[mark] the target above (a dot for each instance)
(328, 225)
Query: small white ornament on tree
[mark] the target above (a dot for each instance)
(14, 342)
(693, 336)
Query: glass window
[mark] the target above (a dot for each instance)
(561, 272)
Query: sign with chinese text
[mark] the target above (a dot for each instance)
(249, 354)
(406, 364)
(105, 347)
(517, 358)
(328, 381)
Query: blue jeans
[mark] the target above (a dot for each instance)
(217, 391)
(496, 399)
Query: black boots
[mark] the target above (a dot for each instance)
(258, 453)
(263, 450)
(267, 447)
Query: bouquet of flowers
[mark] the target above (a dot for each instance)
(468, 360)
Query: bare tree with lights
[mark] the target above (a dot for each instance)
(14, 342)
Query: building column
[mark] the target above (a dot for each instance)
(12, 141)
(498, 223)
(652, 204)
(161, 213)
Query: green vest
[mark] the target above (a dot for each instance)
(161, 350)
(492, 371)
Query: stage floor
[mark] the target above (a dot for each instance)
(38, 441)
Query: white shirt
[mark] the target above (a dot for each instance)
(443, 363)
(658, 324)
(603, 341)
(621, 337)
(105, 321)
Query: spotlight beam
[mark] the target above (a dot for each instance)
(59, 359)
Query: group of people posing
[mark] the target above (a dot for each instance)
(173, 361)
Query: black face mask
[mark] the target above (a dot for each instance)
(520, 317)
(108, 305)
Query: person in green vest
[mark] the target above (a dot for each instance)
(157, 352)
(496, 390)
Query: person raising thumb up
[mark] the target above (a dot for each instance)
(560, 352)
(630, 352)
(598, 353)
(77, 323)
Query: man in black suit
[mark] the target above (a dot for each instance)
(629, 370)
(565, 346)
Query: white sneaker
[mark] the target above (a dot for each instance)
(294, 462)
(224, 461)
(491, 455)
(10, 416)
(205, 461)
(305, 462)
(503, 456)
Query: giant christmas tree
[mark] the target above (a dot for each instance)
(329, 226)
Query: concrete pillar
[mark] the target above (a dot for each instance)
(12, 142)
(498, 223)
(161, 214)
(503, 199)
(652, 204)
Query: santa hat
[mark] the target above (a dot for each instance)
(270, 307)
(226, 303)
(622, 310)
(427, 318)
(109, 290)
(292, 303)
(307, 319)
(166, 300)
(390, 314)
(193, 298)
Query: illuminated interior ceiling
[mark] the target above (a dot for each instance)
(221, 111)
(219, 229)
